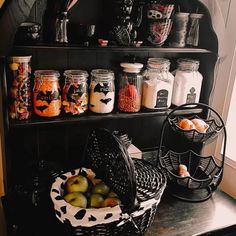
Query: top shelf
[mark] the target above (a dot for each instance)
(111, 48)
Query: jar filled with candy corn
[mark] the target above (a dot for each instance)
(130, 89)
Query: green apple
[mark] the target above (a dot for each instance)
(101, 188)
(76, 199)
(112, 194)
(96, 200)
(77, 183)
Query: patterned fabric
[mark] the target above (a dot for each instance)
(89, 217)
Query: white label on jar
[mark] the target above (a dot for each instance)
(102, 97)
(187, 87)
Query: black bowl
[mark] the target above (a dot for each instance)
(28, 32)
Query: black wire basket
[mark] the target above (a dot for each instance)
(204, 171)
(193, 135)
(137, 183)
(202, 174)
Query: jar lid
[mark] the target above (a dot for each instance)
(46, 73)
(20, 59)
(158, 63)
(103, 74)
(196, 15)
(74, 74)
(188, 64)
(182, 14)
(131, 67)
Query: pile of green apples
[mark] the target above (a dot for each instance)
(89, 192)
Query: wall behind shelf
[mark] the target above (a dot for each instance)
(67, 141)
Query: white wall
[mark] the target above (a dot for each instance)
(223, 87)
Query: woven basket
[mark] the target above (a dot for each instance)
(138, 184)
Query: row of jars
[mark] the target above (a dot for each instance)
(154, 88)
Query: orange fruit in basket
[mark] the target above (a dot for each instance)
(183, 171)
(186, 124)
(200, 125)
(111, 202)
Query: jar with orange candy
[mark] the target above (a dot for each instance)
(47, 93)
(130, 90)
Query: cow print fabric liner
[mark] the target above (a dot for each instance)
(88, 217)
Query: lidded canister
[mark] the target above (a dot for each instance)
(47, 93)
(130, 89)
(20, 96)
(187, 82)
(75, 92)
(157, 84)
(102, 91)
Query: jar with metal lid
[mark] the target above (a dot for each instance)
(20, 96)
(102, 91)
(187, 82)
(130, 89)
(47, 93)
(75, 92)
(157, 84)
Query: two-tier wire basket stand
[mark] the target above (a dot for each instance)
(205, 172)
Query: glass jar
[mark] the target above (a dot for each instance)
(46, 93)
(130, 89)
(20, 96)
(187, 82)
(75, 92)
(102, 91)
(157, 84)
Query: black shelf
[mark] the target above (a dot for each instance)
(111, 48)
(92, 117)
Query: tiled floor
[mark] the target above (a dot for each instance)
(2, 222)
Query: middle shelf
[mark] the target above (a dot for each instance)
(91, 117)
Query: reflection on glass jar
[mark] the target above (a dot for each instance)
(47, 94)
(130, 87)
(102, 91)
(75, 92)
(157, 84)
(187, 82)
(20, 99)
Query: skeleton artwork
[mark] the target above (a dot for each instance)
(153, 14)
(124, 32)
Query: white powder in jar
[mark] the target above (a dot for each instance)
(157, 91)
(187, 87)
(102, 97)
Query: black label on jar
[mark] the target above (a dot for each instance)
(162, 98)
(103, 88)
(48, 97)
(191, 97)
(74, 93)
